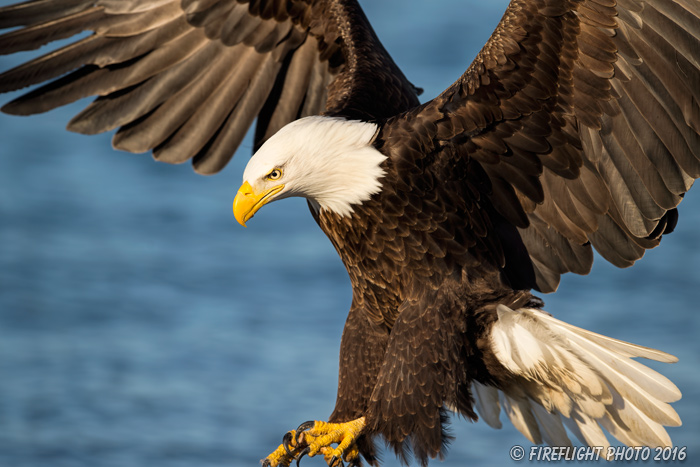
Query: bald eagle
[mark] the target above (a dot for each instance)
(576, 127)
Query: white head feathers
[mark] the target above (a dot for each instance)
(329, 161)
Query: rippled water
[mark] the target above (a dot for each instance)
(141, 325)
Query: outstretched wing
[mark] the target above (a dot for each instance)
(187, 78)
(583, 116)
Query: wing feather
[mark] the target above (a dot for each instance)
(180, 77)
(585, 116)
(204, 106)
(31, 13)
(35, 36)
(238, 123)
(299, 85)
(103, 81)
(128, 108)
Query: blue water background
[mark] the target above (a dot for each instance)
(140, 325)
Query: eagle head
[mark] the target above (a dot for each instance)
(328, 160)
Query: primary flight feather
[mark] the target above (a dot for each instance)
(576, 127)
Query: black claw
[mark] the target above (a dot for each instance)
(266, 463)
(285, 442)
(302, 428)
(306, 425)
(335, 462)
(302, 454)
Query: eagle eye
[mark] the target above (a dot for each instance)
(275, 174)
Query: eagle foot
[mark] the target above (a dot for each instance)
(284, 454)
(316, 437)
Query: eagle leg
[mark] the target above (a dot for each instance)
(317, 437)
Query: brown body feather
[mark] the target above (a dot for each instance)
(576, 127)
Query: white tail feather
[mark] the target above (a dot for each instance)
(520, 415)
(487, 405)
(625, 349)
(652, 404)
(565, 375)
(552, 430)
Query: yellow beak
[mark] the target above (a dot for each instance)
(247, 201)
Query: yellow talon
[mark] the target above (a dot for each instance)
(281, 456)
(334, 456)
(323, 434)
(318, 439)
